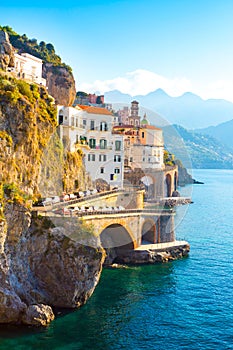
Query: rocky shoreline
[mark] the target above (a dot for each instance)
(152, 256)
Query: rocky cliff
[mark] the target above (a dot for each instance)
(60, 83)
(41, 264)
(59, 77)
(6, 51)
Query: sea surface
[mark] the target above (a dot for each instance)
(185, 304)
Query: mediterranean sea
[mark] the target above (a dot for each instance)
(184, 304)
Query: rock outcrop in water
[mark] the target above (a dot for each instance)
(40, 266)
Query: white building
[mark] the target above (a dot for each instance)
(29, 68)
(90, 129)
(71, 128)
(146, 156)
(143, 145)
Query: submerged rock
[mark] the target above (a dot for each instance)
(38, 315)
(151, 256)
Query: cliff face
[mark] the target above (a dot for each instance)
(59, 77)
(40, 264)
(6, 51)
(60, 83)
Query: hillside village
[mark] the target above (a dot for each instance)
(114, 144)
(107, 195)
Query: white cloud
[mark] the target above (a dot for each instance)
(142, 82)
(139, 82)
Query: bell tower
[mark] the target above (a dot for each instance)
(134, 118)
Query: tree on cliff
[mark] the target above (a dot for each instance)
(44, 51)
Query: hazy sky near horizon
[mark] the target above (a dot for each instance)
(136, 46)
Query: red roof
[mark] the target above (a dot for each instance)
(95, 110)
(124, 126)
(152, 127)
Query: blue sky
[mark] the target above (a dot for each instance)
(136, 46)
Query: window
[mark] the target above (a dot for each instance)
(102, 158)
(117, 145)
(149, 160)
(60, 119)
(72, 121)
(143, 135)
(92, 125)
(103, 126)
(101, 170)
(76, 122)
(92, 143)
(103, 144)
(84, 123)
(143, 159)
(117, 171)
(91, 157)
(111, 177)
(131, 159)
(117, 158)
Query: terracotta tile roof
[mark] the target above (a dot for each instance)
(124, 126)
(95, 110)
(152, 127)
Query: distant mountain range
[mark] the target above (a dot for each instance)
(197, 150)
(203, 147)
(188, 110)
(222, 132)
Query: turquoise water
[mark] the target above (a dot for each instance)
(186, 304)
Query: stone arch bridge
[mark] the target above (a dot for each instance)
(132, 227)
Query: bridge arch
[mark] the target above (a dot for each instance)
(116, 240)
(168, 185)
(175, 180)
(149, 231)
(149, 183)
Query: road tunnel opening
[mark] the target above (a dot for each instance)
(116, 241)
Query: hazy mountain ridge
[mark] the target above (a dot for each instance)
(188, 110)
(204, 151)
(222, 132)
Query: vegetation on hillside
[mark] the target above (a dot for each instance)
(44, 51)
(28, 119)
(204, 151)
(168, 158)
